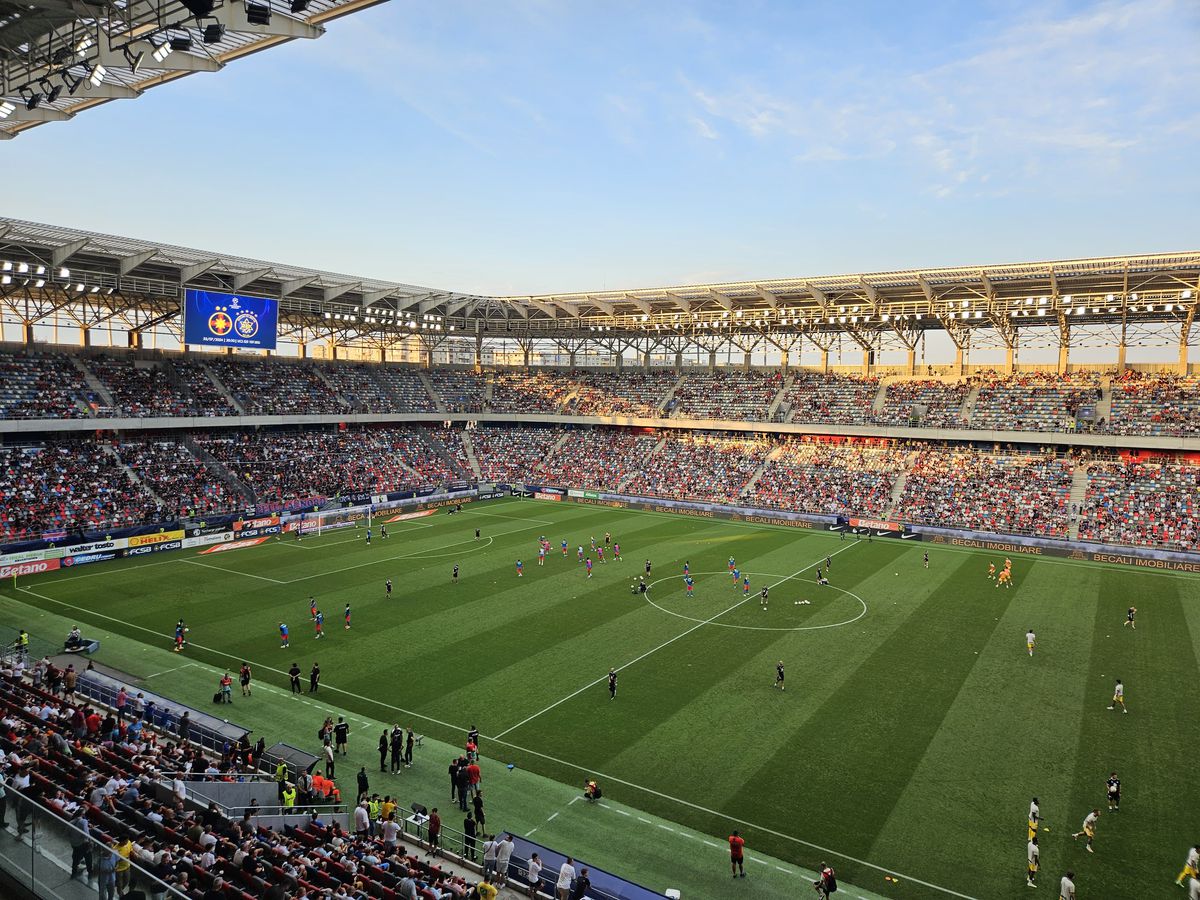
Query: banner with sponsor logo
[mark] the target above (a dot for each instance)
(261, 522)
(420, 514)
(544, 495)
(876, 524)
(234, 545)
(90, 547)
(30, 567)
(205, 540)
(145, 549)
(147, 540)
(24, 556)
(1136, 557)
(83, 559)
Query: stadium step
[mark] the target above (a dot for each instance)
(968, 407)
(324, 379)
(762, 467)
(228, 394)
(1104, 404)
(881, 395)
(433, 394)
(662, 404)
(227, 477)
(133, 476)
(470, 448)
(898, 486)
(92, 381)
(773, 409)
(1079, 484)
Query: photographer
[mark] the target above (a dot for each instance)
(826, 882)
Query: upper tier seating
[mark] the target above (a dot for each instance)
(460, 391)
(267, 387)
(631, 393)
(726, 395)
(1156, 404)
(40, 386)
(517, 392)
(830, 399)
(938, 402)
(1034, 401)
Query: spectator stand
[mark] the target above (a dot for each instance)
(208, 731)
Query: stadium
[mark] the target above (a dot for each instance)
(560, 549)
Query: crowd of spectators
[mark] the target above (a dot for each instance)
(597, 458)
(540, 392)
(822, 477)
(208, 399)
(725, 394)
(829, 398)
(118, 784)
(924, 402)
(628, 393)
(1034, 401)
(358, 387)
(1142, 503)
(139, 390)
(1158, 403)
(699, 466)
(266, 387)
(40, 386)
(185, 484)
(283, 466)
(511, 454)
(461, 391)
(67, 486)
(407, 388)
(1005, 493)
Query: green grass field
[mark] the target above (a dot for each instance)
(912, 734)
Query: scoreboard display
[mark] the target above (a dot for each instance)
(216, 319)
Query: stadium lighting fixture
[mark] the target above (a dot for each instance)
(162, 51)
(299, 6)
(1132, 297)
(258, 13)
(41, 282)
(1185, 295)
(95, 289)
(6, 109)
(53, 91)
(32, 98)
(6, 266)
(1041, 312)
(5, 279)
(22, 268)
(64, 272)
(134, 59)
(79, 288)
(1066, 300)
(1109, 297)
(214, 33)
(83, 45)
(182, 43)
(199, 8)
(96, 75)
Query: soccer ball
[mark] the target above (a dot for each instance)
(897, 574)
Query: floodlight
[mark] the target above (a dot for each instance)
(64, 272)
(199, 8)
(299, 6)
(162, 51)
(22, 268)
(1185, 295)
(96, 75)
(53, 92)
(213, 33)
(258, 14)
(83, 45)
(182, 44)
(134, 59)
(32, 98)
(6, 109)
(5, 279)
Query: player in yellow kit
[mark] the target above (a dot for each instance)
(1191, 869)
(991, 570)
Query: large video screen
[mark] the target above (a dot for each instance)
(215, 319)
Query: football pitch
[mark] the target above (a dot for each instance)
(912, 734)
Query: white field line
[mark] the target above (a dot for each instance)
(300, 545)
(588, 770)
(176, 669)
(196, 562)
(696, 627)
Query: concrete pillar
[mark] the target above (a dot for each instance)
(784, 362)
(620, 361)
(1121, 356)
(302, 349)
(478, 353)
(1183, 355)
(678, 361)
(134, 339)
(525, 357)
(958, 362)
(746, 361)
(27, 333)
(868, 358)
(1010, 359)
(824, 362)
(1064, 355)
(85, 336)
(382, 354)
(571, 357)
(646, 360)
(333, 351)
(712, 360)
(910, 364)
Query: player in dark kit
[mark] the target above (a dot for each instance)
(779, 674)
(454, 576)
(383, 531)
(612, 684)
(388, 587)
(476, 534)
(647, 567)
(294, 675)
(1114, 792)
(314, 678)
(927, 559)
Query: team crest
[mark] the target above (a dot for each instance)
(246, 324)
(219, 322)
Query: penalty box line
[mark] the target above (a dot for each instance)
(585, 769)
(696, 627)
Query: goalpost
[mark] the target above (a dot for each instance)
(318, 523)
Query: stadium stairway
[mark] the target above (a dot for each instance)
(634, 474)
(1104, 404)
(470, 448)
(132, 475)
(773, 455)
(225, 392)
(666, 398)
(341, 398)
(968, 407)
(489, 390)
(1079, 483)
(92, 381)
(898, 485)
(438, 402)
(774, 407)
(440, 449)
(880, 400)
(227, 477)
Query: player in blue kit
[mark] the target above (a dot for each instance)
(746, 586)
(687, 580)
(283, 636)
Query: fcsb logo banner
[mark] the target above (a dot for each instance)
(213, 318)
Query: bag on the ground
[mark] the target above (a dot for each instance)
(217, 697)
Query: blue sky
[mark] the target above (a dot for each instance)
(523, 146)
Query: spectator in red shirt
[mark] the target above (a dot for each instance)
(735, 855)
(435, 832)
(473, 776)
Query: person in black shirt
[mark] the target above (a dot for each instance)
(612, 684)
(454, 577)
(409, 740)
(294, 674)
(1114, 792)
(464, 785)
(477, 803)
(647, 567)
(383, 751)
(314, 677)
(340, 732)
(453, 772)
(473, 737)
(364, 786)
(476, 534)
(397, 749)
(469, 831)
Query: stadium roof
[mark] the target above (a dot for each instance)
(876, 309)
(61, 57)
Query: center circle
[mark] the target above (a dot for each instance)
(782, 578)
